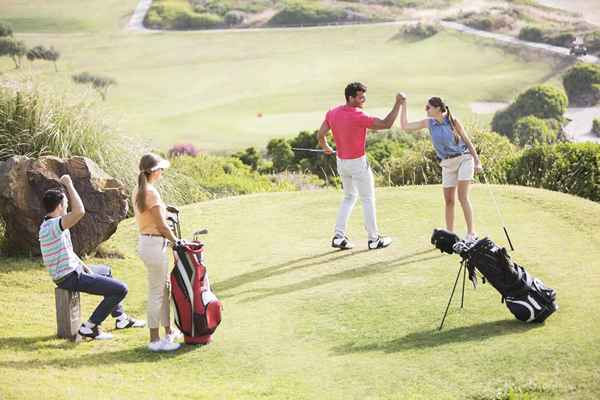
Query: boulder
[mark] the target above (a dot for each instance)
(23, 182)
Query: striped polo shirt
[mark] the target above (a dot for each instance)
(57, 249)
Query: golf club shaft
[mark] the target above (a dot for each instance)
(309, 150)
(498, 210)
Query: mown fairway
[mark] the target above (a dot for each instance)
(304, 322)
(228, 90)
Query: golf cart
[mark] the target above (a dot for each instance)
(578, 48)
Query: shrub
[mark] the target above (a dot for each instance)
(184, 149)
(5, 29)
(297, 13)
(531, 34)
(564, 167)
(543, 101)
(249, 157)
(531, 130)
(579, 84)
(214, 176)
(420, 30)
(281, 154)
(233, 18)
(564, 39)
(179, 14)
(596, 126)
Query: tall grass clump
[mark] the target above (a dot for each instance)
(35, 124)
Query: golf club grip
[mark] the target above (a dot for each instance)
(508, 237)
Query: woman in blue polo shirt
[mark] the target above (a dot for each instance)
(458, 158)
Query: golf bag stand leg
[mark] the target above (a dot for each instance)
(460, 269)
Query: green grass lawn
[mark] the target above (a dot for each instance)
(304, 322)
(62, 16)
(209, 87)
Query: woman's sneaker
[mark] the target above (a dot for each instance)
(342, 243)
(380, 242)
(174, 335)
(163, 345)
(94, 333)
(470, 238)
(129, 322)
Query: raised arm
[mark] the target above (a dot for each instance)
(388, 121)
(459, 128)
(77, 209)
(410, 126)
(322, 138)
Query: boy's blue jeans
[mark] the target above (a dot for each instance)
(99, 282)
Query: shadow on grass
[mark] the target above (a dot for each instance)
(20, 264)
(434, 338)
(279, 269)
(379, 267)
(139, 354)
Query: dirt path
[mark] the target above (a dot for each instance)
(515, 41)
(136, 22)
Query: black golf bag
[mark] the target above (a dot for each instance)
(525, 296)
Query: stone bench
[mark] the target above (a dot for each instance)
(68, 313)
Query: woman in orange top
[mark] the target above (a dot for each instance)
(155, 235)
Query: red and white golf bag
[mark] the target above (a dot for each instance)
(197, 309)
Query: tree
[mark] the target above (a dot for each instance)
(43, 53)
(98, 82)
(12, 48)
(5, 29)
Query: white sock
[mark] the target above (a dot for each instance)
(122, 317)
(89, 324)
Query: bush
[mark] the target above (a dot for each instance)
(5, 29)
(420, 30)
(596, 126)
(179, 15)
(531, 34)
(187, 149)
(564, 167)
(233, 18)
(531, 130)
(249, 157)
(214, 176)
(296, 14)
(579, 84)
(543, 101)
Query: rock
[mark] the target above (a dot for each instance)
(23, 182)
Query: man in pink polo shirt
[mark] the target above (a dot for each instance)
(349, 125)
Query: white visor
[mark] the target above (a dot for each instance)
(162, 164)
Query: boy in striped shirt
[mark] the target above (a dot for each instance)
(69, 272)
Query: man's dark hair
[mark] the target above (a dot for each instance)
(52, 198)
(353, 88)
